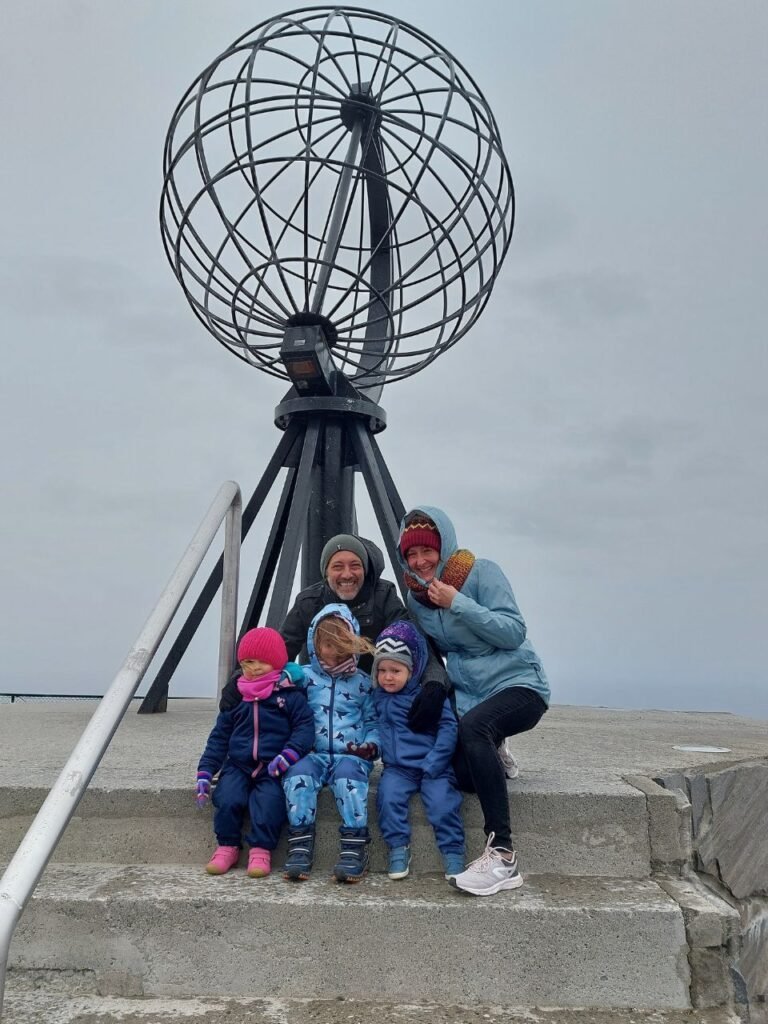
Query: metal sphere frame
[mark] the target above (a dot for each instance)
(336, 206)
(340, 163)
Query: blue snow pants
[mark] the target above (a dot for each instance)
(442, 805)
(347, 777)
(263, 797)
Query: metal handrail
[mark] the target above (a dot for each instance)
(36, 848)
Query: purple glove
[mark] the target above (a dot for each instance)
(203, 789)
(279, 765)
(368, 751)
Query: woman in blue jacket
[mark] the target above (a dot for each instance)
(466, 605)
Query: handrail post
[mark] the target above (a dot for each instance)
(230, 579)
(35, 850)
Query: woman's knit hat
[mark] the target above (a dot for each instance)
(419, 531)
(343, 542)
(263, 644)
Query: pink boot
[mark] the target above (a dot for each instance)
(224, 858)
(259, 862)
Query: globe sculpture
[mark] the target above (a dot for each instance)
(336, 206)
(336, 166)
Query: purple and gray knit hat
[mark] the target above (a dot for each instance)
(401, 642)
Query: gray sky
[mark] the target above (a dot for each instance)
(601, 433)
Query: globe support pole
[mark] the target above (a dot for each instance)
(332, 504)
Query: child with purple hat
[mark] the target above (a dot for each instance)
(414, 762)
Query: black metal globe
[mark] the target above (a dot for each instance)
(336, 166)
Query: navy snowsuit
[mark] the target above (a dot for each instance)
(416, 762)
(242, 743)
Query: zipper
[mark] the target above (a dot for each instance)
(256, 732)
(393, 727)
(331, 737)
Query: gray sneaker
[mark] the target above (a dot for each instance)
(509, 764)
(490, 873)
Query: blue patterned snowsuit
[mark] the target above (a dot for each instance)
(344, 713)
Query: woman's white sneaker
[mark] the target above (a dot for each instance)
(509, 764)
(495, 869)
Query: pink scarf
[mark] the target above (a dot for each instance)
(258, 689)
(348, 667)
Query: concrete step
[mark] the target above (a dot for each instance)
(174, 931)
(598, 827)
(33, 996)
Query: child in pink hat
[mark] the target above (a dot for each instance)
(252, 745)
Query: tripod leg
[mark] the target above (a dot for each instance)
(392, 493)
(270, 556)
(294, 531)
(389, 524)
(156, 698)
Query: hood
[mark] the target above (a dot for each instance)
(343, 612)
(447, 533)
(375, 561)
(414, 641)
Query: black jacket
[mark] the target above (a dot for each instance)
(377, 605)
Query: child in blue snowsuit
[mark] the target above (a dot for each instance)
(346, 744)
(253, 744)
(414, 762)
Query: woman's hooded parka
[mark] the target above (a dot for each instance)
(482, 634)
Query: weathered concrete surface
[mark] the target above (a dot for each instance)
(733, 835)
(712, 931)
(573, 813)
(559, 827)
(584, 803)
(566, 942)
(46, 999)
(754, 946)
(579, 743)
(669, 824)
(729, 828)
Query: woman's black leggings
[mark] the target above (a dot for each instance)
(476, 762)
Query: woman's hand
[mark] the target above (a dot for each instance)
(441, 594)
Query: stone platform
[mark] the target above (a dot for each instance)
(646, 880)
(576, 742)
